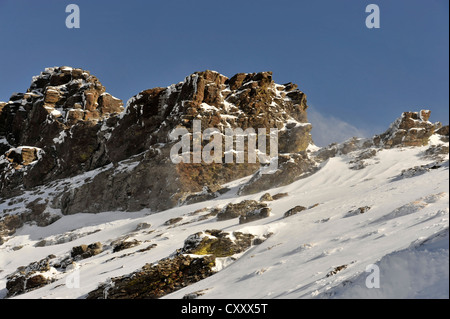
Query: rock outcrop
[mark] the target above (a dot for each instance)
(217, 243)
(141, 137)
(61, 115)
(30, 277)
(156, 280)
(411, 129)
(195, 261)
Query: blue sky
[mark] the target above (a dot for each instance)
(357, 80)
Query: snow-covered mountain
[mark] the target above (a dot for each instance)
(367, 218)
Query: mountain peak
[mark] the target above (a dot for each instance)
(410, 129)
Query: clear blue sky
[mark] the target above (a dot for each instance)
(365, 77)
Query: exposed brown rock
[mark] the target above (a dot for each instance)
(248, 100)
(279, 195)
(240, 209)
(156, 280)
(173, 273)
(86, 251)
(254, 215)
(217, 243)
(411, 129)
(125, 245)
(266, 198)
(294, 211)
(29, 277)
(46, 118)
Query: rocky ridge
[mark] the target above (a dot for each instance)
(74, 128)
(129, 169)
(409, 130)
(122, 160)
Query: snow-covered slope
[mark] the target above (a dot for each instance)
(320, 252)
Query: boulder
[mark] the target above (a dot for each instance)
(121, 245)
(266, 198)
(86, 251)
(217, 243)
(254, 215)
(291, 168)
(29, 277)
(246, 207)
(23, 156)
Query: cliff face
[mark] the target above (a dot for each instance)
(215, 101)
(245, 100)
(66, 125)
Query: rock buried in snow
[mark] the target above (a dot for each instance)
(291, 167)
(195, 294)
(294, 211)
(125, 245)
(279, 195)
(254, 215)
(358, 211)
(411, 129)
(173, 221)
(22, 156)
(208, 193)
(246, 207)
(336, 270)
(266, 198)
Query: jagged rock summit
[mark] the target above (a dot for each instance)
(59, 117)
